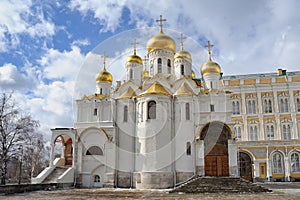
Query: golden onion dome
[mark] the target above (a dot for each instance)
(161, 41)
(210, 67)
(193, 74)
(104, 76)
(134, 59)
(145, 74)
(182, 54)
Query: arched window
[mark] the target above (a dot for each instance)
(187, 111)
(298, 104)
(249, 107)
(151, 110)
(169, 66)
(237, 132)
(233, 108)
(286, 105)
(295, 162)
(125, 119)
(286, 132)
(100, 90)
(95, 112)
(182, 69)
(94, 150)
(188, 148)
(281, 105)
(266, 106)
(97, 179)
(270, 132)
(253, 107)
(277, 162)
(253, 133)
(237, 107)
(130, 74)
(159, 70)
(270, 106)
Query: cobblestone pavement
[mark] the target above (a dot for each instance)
(91, 194)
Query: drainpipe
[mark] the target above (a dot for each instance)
(172, 137)
(116, 146)
(134, 141)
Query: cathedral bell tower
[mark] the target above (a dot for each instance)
(211, 71)
(103, 80)
(161, 49)
(134, 67)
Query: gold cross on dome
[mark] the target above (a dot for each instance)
(104, 59)
(181, 38)
(209, 46)
(160, 20)
(134, 45)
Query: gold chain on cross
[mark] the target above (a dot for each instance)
(181, 38)
(134, 46)
(104, 59)
(160, 20)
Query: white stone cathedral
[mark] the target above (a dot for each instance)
(164, 126)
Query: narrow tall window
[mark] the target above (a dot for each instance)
(159, 70)
(270, 106)
(266, 106)
(125, 114)
(237, 107)
(169, 66)
(253, 107)
(130, 74)
(277, 163)
(95, 112)
(295, 162)
(187, 111)
(151, 110)
(182, 69)
(188, 148)
(100, 90)
(212, 108)
(281, 105)
(298, 104)
(233, 108)
(286, 105)
(286, 132)
(249, 107)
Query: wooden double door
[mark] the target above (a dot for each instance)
(216, 162)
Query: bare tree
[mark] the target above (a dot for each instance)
(15, 127)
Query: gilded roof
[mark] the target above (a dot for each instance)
(155, 88)
(184, 90)
(128, 94)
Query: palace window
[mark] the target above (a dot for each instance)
(125, 117)
(95, 112)
(187, 111)
(298, 104)
(253, 133)
(251, 106)
(267, 106)
(94, 150)
(159, 69)
(295, 162)
(270, 135)
(97, 179)
(277, 163)
(188, 148)
(169, 66)
(235, 107)
(182, 69)
(151, 110)
(237, 129)
(286, 131)
(284, 105)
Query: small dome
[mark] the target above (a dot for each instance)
(183, 54)
(210, 68)
(104, 76)
(134, 59)
(145, 74)
(161, 41)
(193, 74)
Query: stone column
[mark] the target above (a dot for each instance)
(200, 158)
(232, 158)
(52, 155)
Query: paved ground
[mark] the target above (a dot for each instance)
(280, 191)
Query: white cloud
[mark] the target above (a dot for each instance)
(11, 78)
(62, 65)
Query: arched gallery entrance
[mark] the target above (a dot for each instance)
(245, 166)
(216, 136)
(64, 149)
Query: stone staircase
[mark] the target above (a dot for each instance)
(55, 174)
(219, 185)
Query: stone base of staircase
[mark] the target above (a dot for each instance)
(220, 185)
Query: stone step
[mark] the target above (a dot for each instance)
(219, 185)
(55, 174)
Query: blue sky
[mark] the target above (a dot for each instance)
(44, 44)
